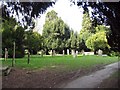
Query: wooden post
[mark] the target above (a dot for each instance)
(6, 54)
(13, 60)
(28, 57)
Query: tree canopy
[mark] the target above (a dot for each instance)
(55, 32)
(12, 32)
(107, 13)
(28, 10)
(97, 41)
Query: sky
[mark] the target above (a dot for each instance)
(72, 15)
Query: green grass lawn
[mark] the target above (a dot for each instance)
(60, 62)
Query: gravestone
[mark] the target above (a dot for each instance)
(42, 53)
(51, 53)
(83, 53)
(76, 53)
(6, 53)
(54, 53)
(100, 52)
(5, 70)
(73, 53)
(63, 52)
(68, 52)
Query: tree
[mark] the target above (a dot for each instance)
(107, 13)
(12, 32)
(28, 10)
(86, 27)
(55, 32)
(33, 41)
(104, 28)
(86, 31)
(97, 41)
(73, 39)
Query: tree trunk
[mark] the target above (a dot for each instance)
(52, 52)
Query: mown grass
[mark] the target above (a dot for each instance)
(60, 62)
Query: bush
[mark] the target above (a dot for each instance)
(114, 53)
(19, 54)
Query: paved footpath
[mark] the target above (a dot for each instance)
(93, 80)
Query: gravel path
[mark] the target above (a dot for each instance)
(94, 79)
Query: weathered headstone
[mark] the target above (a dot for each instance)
(100, 52)
(73, 53)
(42, 53)
(51, 52)
(54, 53)
(76, 53)
(63, 52)
(68, 53)
(6, 53)
(83, 53)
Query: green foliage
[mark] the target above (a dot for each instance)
(29, 10)
(97, 41)
(55, 32)
(33, 41)
(102, 28)
(73, 39)
(113, 53)
(11, 32)
(87, 29)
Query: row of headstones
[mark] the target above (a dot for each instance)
(75, 53)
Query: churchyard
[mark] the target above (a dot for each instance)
(50, 71)
(67, 62)
(52, 52)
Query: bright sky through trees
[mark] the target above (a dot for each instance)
(72, 15)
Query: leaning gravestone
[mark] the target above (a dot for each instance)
(5, 70)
